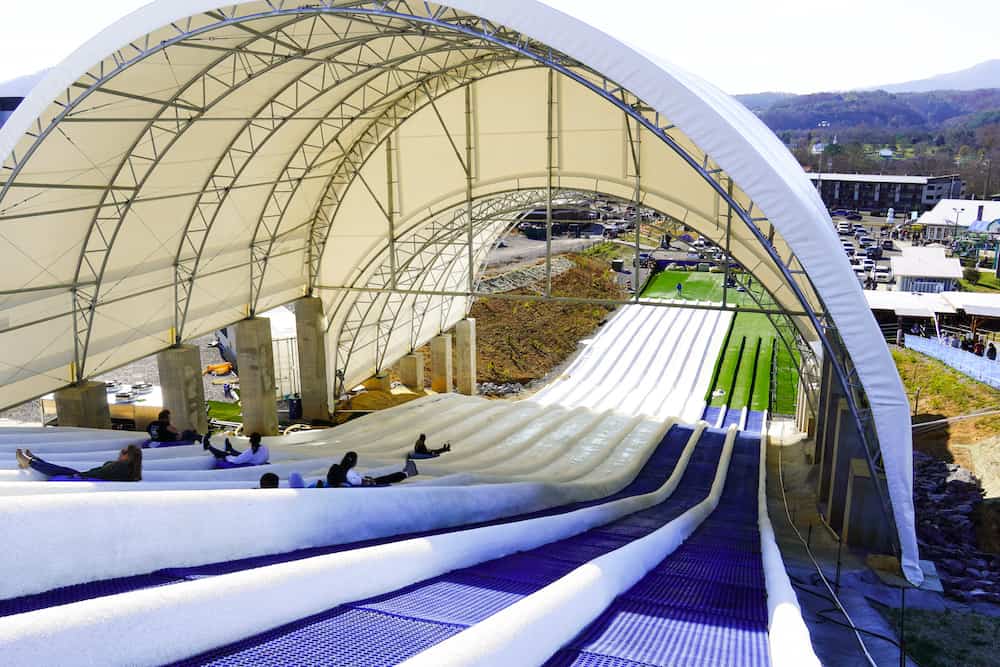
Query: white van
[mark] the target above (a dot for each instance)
(844, 228)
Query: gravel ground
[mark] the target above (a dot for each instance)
(143, 370)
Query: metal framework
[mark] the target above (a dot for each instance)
(480, 48)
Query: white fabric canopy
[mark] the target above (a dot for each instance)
(197, 161)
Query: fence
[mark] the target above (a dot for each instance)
(286, 367)
(976, 367)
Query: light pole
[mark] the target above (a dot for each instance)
(954, 234)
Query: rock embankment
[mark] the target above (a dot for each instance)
(946, 497)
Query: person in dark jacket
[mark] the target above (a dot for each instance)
(420, 450)
(991, 352)
(126, 468)
(161, 430)
(343, 474)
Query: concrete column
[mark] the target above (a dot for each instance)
(84, 405)
(441, 373)
(846, 446)
(411, 371)
(183, 391)
(864, 522)
(831, 440)
(465, 357)
(255, 360)
(312, 358)
(383, 381)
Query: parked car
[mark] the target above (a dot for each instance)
(887, 244)
(869, 264)
(854, 216)
(843, 228)
(883, 274)
(866, 241)
(839, 212)
(874, 252)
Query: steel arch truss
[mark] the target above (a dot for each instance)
(430, 264)
(278, 44)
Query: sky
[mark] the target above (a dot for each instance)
(742, 46)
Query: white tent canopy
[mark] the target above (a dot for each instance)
(198, 161)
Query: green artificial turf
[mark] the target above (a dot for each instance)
(704, 286)
(754, 326)
(227, 412)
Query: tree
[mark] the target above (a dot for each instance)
(971, 274)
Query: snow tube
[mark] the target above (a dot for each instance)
(153, 444)
(69, 478)
(222, 464)
(414, 455)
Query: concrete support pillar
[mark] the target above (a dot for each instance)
(183, 391)
(312, 359)
(846, 446)
(411, 371)
(84, 405)
(864, 523)
(465, 357)
(383, 381)
(441, 370)
(255, 360)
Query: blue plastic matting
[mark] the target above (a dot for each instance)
(733, 416)
(704, 605)
(461, 598)
(711, 414)
(755, 422)
(656, 469)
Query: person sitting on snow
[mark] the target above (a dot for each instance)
(257, 455)
(420, 450)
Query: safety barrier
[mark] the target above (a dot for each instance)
(976, 367)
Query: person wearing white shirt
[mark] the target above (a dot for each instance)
(256, 455)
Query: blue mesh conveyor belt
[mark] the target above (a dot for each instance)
(711, 414)
(732, 417)
(656, 469)
(407, 621)
(705, 604)
(755, 422)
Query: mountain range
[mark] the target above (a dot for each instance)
(967, 99)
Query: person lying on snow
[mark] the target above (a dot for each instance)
(343, 474)
(420, 450)
(161, 430)
(126, 468)
(257, 455)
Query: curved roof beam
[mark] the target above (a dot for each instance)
(256, 131)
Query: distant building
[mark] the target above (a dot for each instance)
(941, 222)
(7, 106)
(15, 90)
(925, 270)
(877, 192)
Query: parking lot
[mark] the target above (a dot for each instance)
(855, 242)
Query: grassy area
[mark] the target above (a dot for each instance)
(695, 286)
(945, 392)
(704, 286)
(227, 412)
(988, 282)
(609, 250)
(947, 638)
